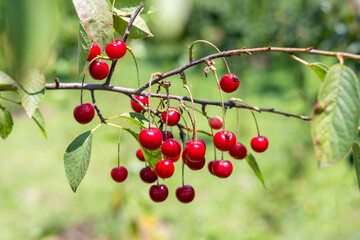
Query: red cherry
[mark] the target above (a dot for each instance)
(164, 168)
(259, 144)
(171, 148)
(202, 142)
(84, 113)
(167, 135)
(119, 174)
(148, 175)
(238, 151)
(196, 165)
(94, 52)
(99, 70)
(158, 193)
(224, 141)
(222, 168)
(229, 83)
(175, 158)
(150, 139)
(173, 116)
(185, 194)
(116, 49)
(210, 166)
(216, 122)
(195, 151)
(140, 155)
(136, 107)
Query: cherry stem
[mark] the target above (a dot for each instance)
(194, 112)
(136, 65)
(191, 52)
(149, 96)
(118, 159)
(96, 108)
(168, 106)
(183, 173)
(112, 13)
(252, 113)
(221, 98)
(186, 125)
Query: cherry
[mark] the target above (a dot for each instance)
(174, 159)
(140, 155)
(185, 194)
(158, 193)
(136, 107)
(210, 166)
(171, 148)
(167, 135)
(216, 122)
(173, 116)
(116, 49)
(164, 168)
(238, 151)
(94, 52)
(84, 113)
(150, 139)
(229, 83)
(195, 150)
(119, 174)
(224, 141)
(196, 165)
(99, 70)
(148, 175)
(259, 144)
(222, 168)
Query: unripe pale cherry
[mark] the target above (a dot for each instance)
(216, 122)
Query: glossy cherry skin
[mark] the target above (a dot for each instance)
(119, 174)
(150, 139)
(185, 194)
(116, 49)
(171, 148)
(84, 113)
(259, 144)
(195, 151)
(99, 70)
(222, 168)
(94, 52)
(238, 151)
(158, 193)
(210, 166)
(136, 107)
(148, 175)
(216, 122)
(229, 83)
(140, 155)
(224, 141)
(174, 159)
(164, 168)
(167, 135)
(173, 116)
(196, 165)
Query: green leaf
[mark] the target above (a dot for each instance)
(95, 15)
(151, 157)
(83, 48)
(5, 80)
(254, 166)
(130, 6)
(6, 122)
(77, 158)
(40, 122)
(139, 29)
(320, 69)
(336, 117)
(31, 91)
(356, 155)
(136, 118)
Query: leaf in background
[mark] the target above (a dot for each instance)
(31, 91)
(77, 158)
(95, 15)
(320, 69)
(152, 157)
(356, 155)
(84, 46)
(130, 6)
(136, 118)
(40, 122)
(253, 164)
(6, 122)
(336, 118)
(5, 80)
(139, 29)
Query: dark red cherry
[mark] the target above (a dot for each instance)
(116, 49)
(150, 139)
(224, 141)
(238, 151)
(164, 168)
(84, 113)
(195, 150)
(167, 135)
(185, 194)
(173, 116)
(136, 107)
(94, 52)
(171, 148)
(196, 165)
(158, 193)
(229, 83)
(175, 158)
(140, 155)
(259, 144)
(148, 175)
(222, 168)
(99, 70)
(216, 122)
(119, 174)
(210, 166)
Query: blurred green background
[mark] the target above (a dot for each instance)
(300, 202)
